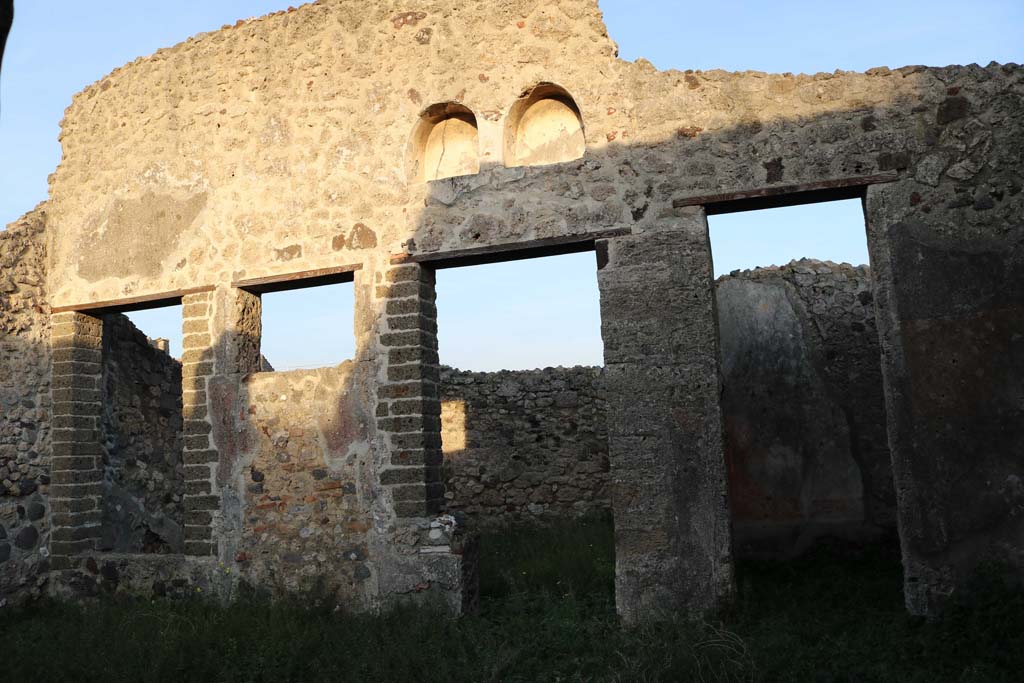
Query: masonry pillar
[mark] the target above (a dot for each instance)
(221, 343)
(409, 408)
(199, 454)
(76, 484)
(669, 496)
(948, 270)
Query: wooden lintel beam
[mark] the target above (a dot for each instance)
(133, 303)
(299, 280)
(786, 195)
(512, 251)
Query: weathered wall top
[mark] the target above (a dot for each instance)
(304, 118)
(281, 144)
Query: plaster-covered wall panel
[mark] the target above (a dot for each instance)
(803, 407)
(324, 99)
(948, 244)
(305, 483)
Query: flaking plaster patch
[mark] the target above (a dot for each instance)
(132, 237)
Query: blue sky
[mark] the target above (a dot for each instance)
(527, 313)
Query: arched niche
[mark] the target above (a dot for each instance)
(444, 144)
(544, 127)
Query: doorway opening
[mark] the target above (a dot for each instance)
(803, 400)
(141, 431)
(522, 410)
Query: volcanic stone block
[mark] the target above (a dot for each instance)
(673, 544)
(951, 323)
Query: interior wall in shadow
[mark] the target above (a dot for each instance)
(804, 408)
(141, 433)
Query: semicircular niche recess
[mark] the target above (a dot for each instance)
(544, 127)
(444, 144)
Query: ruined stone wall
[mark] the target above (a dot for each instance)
(285, 143)
(271, 118)
(140, 427)
(141, 434)
(525, 445)
(302, 504)
(282, 145)
(803, 406)
(25, 375)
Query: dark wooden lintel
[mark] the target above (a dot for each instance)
(786, 195)
(134, 303)
(513, 251)
(300, 280)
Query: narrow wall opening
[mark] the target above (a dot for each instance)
(522, 418)
(141, 432)
(802, 399)
(523, 426)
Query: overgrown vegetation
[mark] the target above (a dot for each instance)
(547, 614)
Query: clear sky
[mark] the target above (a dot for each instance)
(528, 313)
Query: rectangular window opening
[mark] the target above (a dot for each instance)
(520, 315)
(308, 327)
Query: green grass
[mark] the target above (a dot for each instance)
(547, 614)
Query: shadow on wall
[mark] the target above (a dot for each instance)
(803, 407)
(25, 519)
(943, 337)
(141, 433)
(524, 446)
(25, 409)
(140, 471)
(946, 341)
